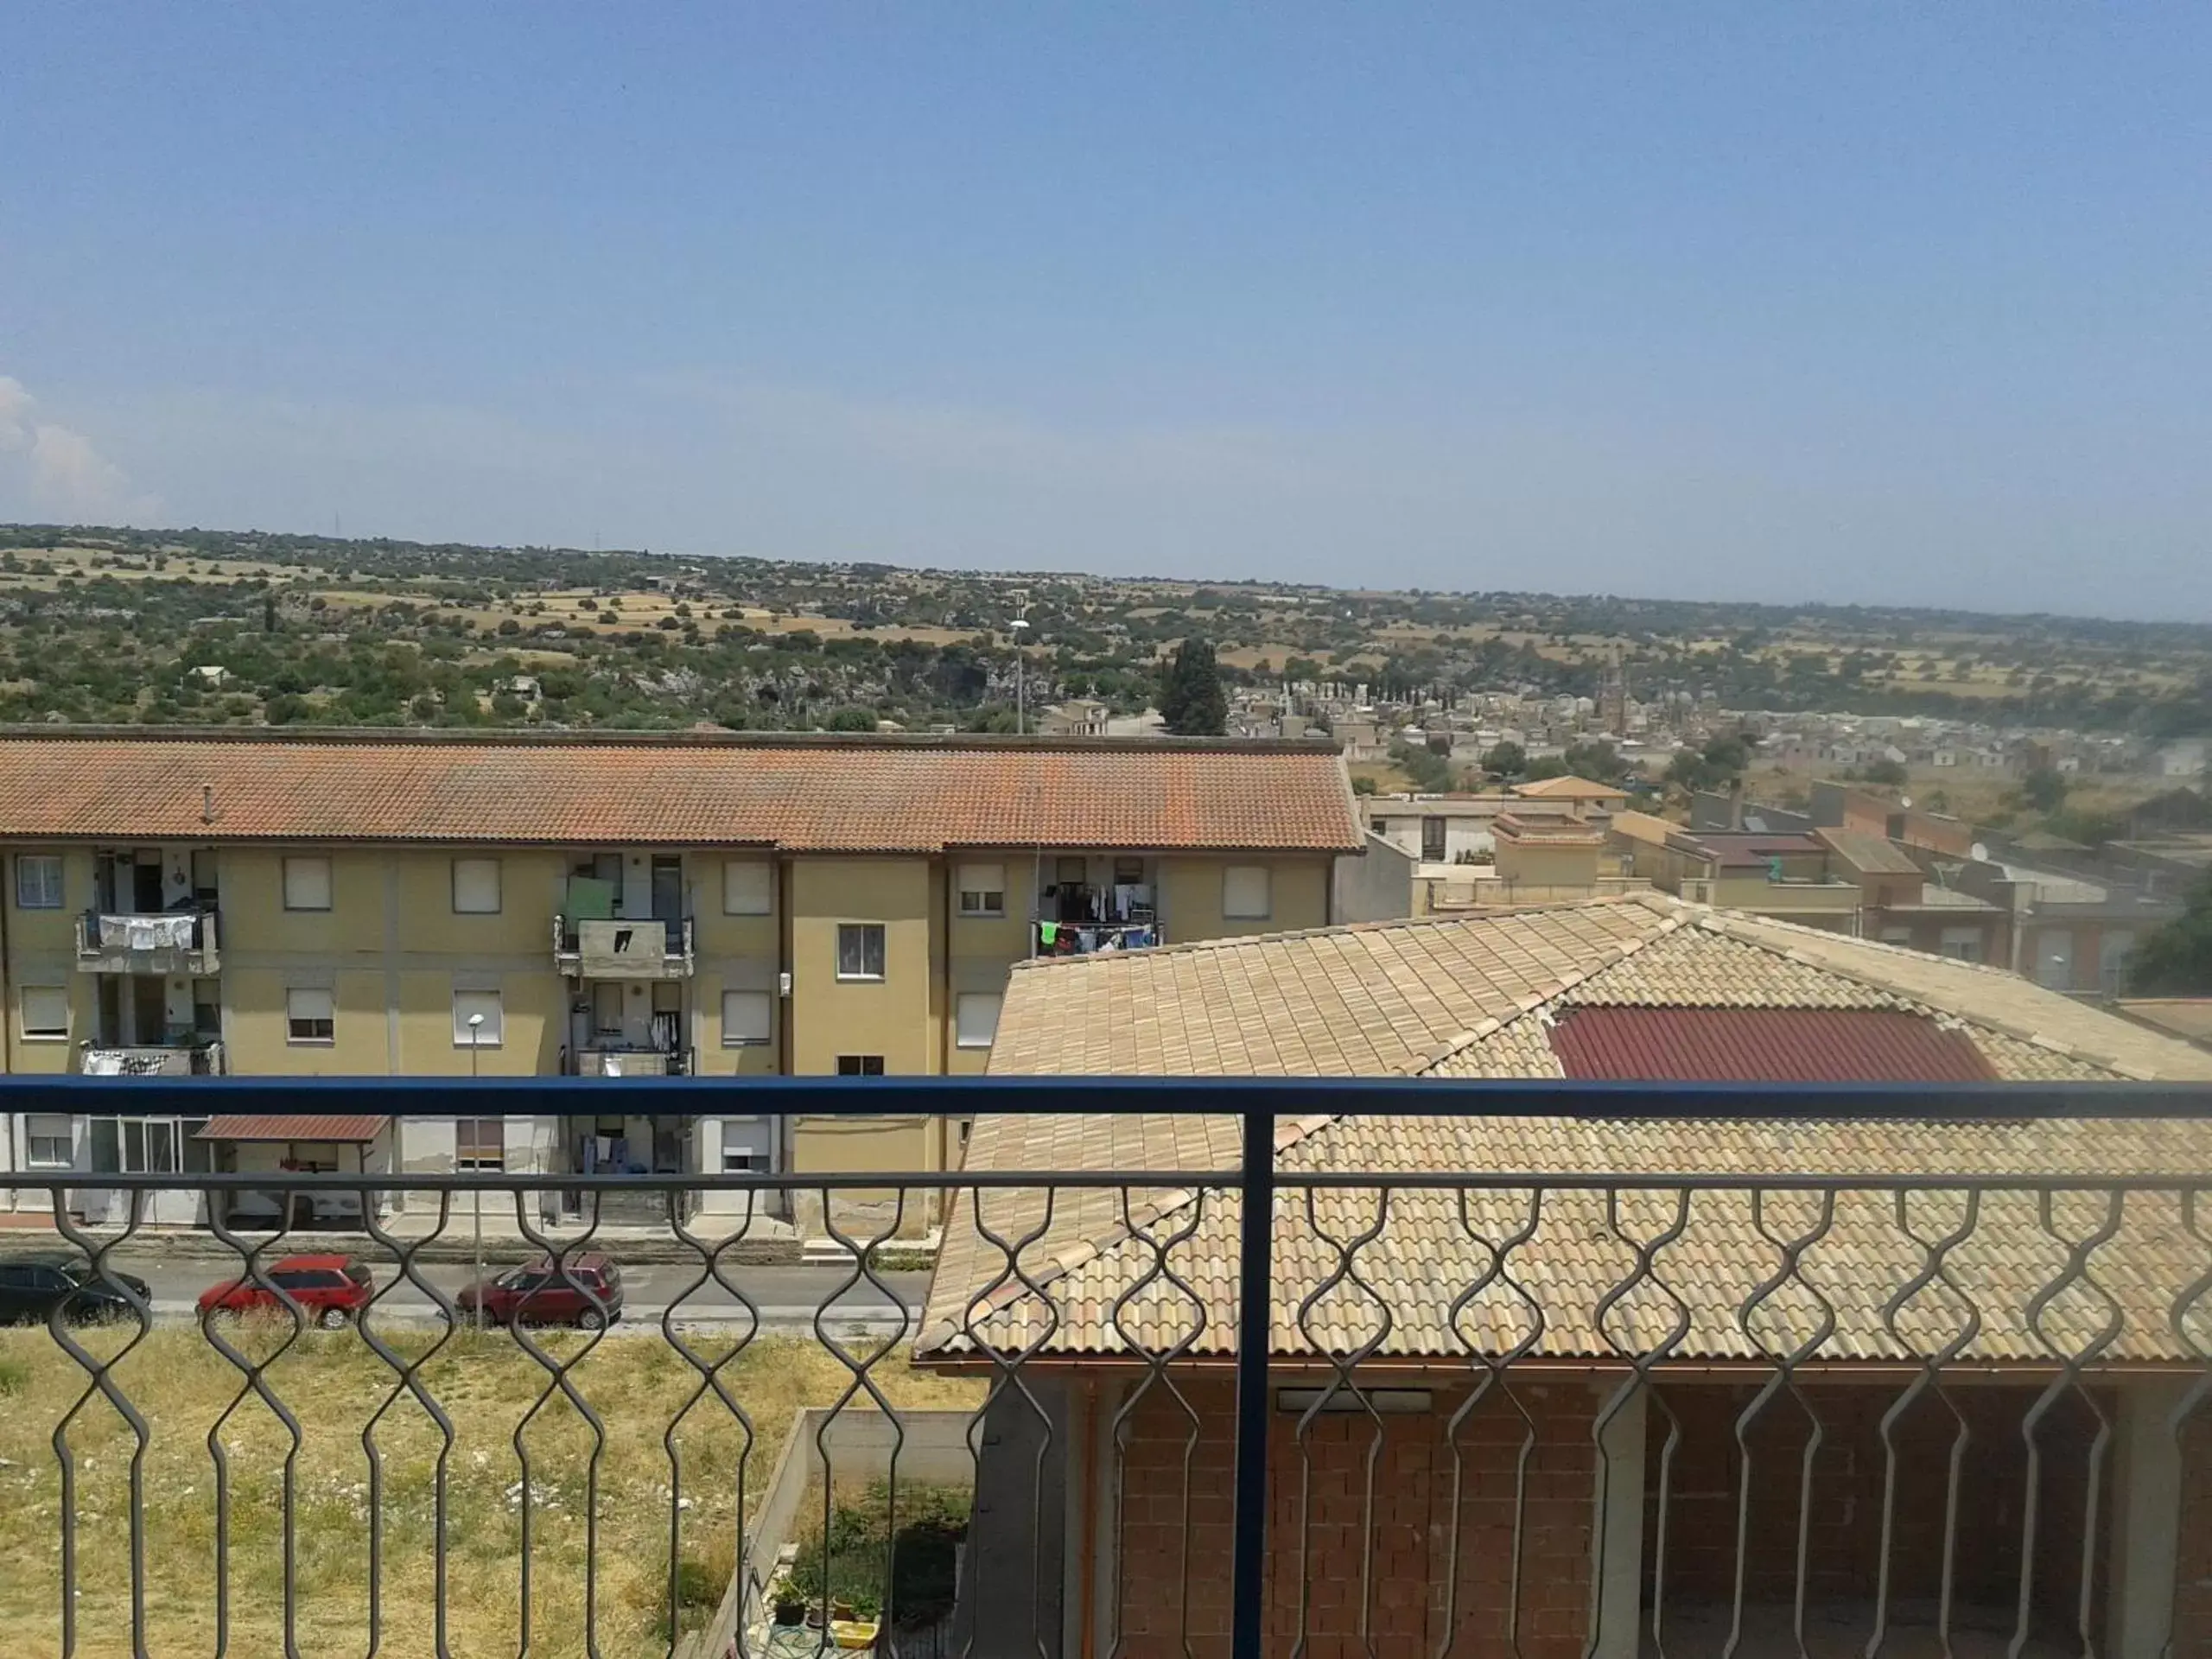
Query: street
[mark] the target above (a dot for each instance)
(786, 1297)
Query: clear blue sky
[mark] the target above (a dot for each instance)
(1896, 302)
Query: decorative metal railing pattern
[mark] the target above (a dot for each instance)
(1277, 1406)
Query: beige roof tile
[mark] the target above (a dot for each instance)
(1469, 998)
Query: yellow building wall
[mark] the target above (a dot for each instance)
(888, 1017)
(1543, 866)
(42, 951)
(1191, 897)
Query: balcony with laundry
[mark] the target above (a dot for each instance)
(623, 918)
(147, 1026)
(154, 911)
(628, 1029)
(1089, 902)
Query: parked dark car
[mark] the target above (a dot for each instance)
(587, 1295)
(32, 1287)
(330, 1290)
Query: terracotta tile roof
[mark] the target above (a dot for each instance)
(1764, 1046)
(296, 1127)
(1364, 1001)
(814, 795)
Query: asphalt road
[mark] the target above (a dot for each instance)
(786, 1297)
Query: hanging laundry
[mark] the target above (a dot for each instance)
(1048, 934)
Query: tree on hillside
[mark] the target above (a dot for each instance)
(1600, 762)
(1717, 766)
(1192, 699)
(2044, 789)
(2176, 960)
(1507, 759)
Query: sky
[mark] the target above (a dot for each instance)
(1881, 302)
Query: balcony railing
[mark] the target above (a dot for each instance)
(1564, 1395)
(618, 1062)
(645, 947)
(194, 1058)
(156, 942)
(1087, 939)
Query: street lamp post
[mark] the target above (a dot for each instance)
(1020, 680)
(475, 1036)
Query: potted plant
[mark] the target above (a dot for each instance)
(791, 1608)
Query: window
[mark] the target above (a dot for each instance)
(1963, 943)
(307, 884)
(38, 881)
(1898, 936)
(983, 889)
(476, 886)
(975, 1018)
(148, 1145)
(480, 1144)
(748, 887)
(1071, 871)
(1245, 891)
(860, 1065)
(47, 1142)
(310, 1015)
(747, 1019)
(1432, 840)
(484, 1008)
(738, 1161)
(859, 950)
(46, 1011)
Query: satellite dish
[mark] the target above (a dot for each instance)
(1980, 852)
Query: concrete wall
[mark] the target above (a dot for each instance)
(1378, 885)
(932, 1446)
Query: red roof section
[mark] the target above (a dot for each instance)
(296, 1127)
(859, 795)
(1764, 1045)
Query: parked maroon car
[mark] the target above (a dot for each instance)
(330, 1290)
(585, 1292)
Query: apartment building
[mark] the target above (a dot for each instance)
(1789, 876)
(625, 907)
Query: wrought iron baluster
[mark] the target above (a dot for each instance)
(710, 1381)
(407, 1379)
(99, 1377)
(1161, 1243)
(1935, 1269)
(1494, 1374)
(1643, 1359)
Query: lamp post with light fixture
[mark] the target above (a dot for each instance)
(475, 1036)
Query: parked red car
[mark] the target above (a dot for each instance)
(587, 1295)
(330, 1290)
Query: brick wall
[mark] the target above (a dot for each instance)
(1844, 1522)
(2193, 1562)
(1374, 1522)
(1351, 1512)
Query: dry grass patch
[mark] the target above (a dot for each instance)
(334, 1387)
